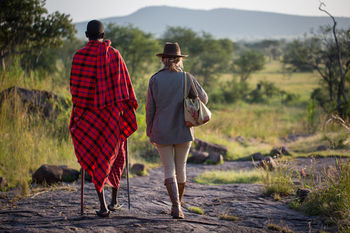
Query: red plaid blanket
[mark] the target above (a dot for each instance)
(103, 114)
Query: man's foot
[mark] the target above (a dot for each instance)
(115, 207)
(103, 213)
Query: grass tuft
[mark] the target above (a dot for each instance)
(196, 210)
(227, 217)
(331, 198)
(275, 227)
(278, 183)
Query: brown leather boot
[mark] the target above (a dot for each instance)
(181, 187)
(173, 192)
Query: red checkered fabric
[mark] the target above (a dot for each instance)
(103, 114)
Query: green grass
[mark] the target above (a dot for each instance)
(27, 142)
(196, 210)
(279, 183)
(230, 177)
(299, 83)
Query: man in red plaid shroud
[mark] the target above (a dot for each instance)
(103, 114)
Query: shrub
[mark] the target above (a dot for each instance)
(331, 199)
(278, 182)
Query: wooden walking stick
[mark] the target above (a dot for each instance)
(82, 193)
(127, 174)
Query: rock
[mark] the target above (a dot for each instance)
(240, 139)
(302, 194)
(257, 156)
(3, 183)
(48, 174)
(70, 175)
(138, 169)
(214, 158)
(43, 102)
(279, 152)
(268, 163)
(198, 157)
(51, 174)
(209, 147)
(321, 148)
(285, 151)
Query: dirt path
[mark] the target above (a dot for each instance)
(58, 211)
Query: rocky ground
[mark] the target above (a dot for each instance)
(59, 210)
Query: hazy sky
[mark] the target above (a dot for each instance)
(82, 10)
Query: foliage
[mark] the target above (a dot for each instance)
(279, 182)
(312, 120)
(229, 177)
(247, 63)
(50, 59)
(27, 28)
(208, 57)
(270, 48)
(331, 198)
(137, 48)
(234, 91)
(266, 90)
(28, 141)
(320, 53)
(295, 57)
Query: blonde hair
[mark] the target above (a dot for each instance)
(172, 63)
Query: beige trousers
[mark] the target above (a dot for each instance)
(174, 157)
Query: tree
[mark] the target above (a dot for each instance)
(26, 27)
(137, 48)
(319, 52)
(296, 55)
(247, 63)
(208, 57)
(270, 48)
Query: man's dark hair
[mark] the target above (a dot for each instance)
(94, 30)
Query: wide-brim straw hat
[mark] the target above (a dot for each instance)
(171, 50)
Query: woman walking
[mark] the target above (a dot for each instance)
(166, 124)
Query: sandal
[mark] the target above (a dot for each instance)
(103, 214)
(114, 207)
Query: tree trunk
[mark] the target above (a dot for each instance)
(3, 66)
(341, 90)
(330, 89)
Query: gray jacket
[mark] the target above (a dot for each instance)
(164, 107)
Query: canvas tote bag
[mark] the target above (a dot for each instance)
(196, 113)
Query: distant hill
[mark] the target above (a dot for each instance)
(221, 23)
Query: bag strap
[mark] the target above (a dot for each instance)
(192, 85)
(185, 85)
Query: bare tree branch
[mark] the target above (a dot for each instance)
(338, 119)
(341, 90)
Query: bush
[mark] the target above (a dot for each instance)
(332, 198)
(279, 182)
